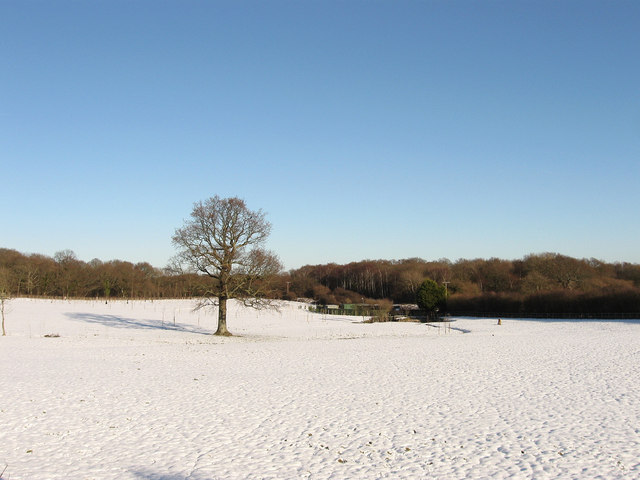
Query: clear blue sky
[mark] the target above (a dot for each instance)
(365, 129)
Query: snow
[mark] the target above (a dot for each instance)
(128, 392)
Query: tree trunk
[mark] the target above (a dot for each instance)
(222, 318)
(4, 332)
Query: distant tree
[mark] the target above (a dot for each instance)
(68, 267)
(223, 239)
(495, 275)
(535, 282)
(409, 281)
(566, 272)
(628, 271)
(431, 297)
(5, 295)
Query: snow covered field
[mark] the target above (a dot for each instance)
(139, 390)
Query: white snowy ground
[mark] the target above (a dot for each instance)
(124, 393)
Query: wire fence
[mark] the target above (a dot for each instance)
(570, 316)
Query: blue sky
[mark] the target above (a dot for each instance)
(365, 129)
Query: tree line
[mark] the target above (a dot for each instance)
(539, 283)
(64, 275)
(547, 283)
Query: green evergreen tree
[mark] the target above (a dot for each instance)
(431, 297)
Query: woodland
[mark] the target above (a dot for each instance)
(547, 284)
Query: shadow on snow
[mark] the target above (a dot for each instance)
(148, 475)
(141, 324)
(447, 326)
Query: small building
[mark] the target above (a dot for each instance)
(359, 308)
(406, 309)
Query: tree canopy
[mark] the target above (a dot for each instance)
(431, 297)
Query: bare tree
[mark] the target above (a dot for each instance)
(67, 271)
(223, 239)
(5, 295)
